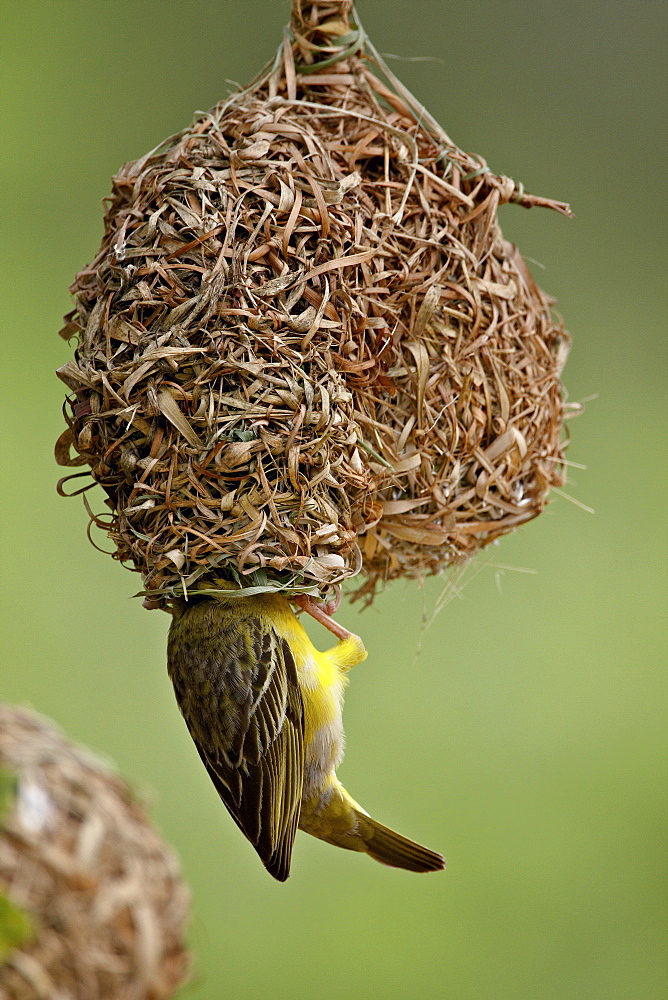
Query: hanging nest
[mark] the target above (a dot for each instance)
(99, 889)
(305, 350)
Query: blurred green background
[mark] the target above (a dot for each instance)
(525, 740)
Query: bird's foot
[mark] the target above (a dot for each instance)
(323, 614)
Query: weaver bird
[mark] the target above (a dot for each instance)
(264, 707)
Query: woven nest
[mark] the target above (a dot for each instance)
(103, 892)
(305, 350)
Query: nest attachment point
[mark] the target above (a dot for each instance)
(305, 350)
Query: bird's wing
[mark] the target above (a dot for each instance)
(237, 689)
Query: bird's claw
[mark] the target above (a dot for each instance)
(332, 606)
(323, 613)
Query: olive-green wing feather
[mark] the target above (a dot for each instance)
(235, 681)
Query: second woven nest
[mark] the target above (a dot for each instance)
(305, 349)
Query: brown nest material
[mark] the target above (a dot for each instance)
(305, 349)
(102, 890)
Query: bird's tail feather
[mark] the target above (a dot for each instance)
(392, 849)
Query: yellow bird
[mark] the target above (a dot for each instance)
(264, 708)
